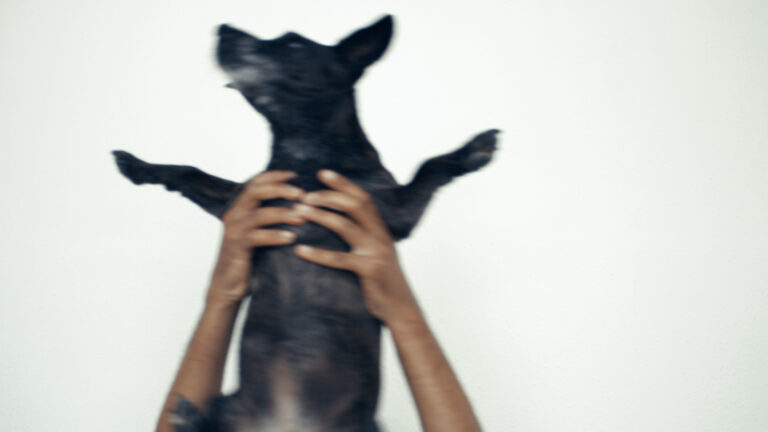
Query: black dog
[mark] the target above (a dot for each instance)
(322, 334)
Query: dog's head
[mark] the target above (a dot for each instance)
(293, 67)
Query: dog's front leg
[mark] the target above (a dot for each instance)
(211, 193)
(407, 203)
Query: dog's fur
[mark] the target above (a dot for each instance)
(309, 355)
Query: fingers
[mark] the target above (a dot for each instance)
(255, 193)
(247, 231)
(268, 237)
(349, 231)
(365, 266)
(334, 180)
(348, 198)
(263, 187)
(339, 260)
(268, 216)
(274, 176)
(244, 220)
(366, 249)
(364, 230)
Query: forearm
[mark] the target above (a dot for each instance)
(440, 400)
(200, 374)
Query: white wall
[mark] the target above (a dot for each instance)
(606, 272)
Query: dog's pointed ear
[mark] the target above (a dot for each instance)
(366, 45)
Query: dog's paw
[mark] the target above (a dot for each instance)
(135, 169)
(477, 152)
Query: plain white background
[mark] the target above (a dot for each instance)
(607, 272)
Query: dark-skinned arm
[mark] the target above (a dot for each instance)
(441, 402)
(199, 377)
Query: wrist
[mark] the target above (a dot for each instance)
(406, 319)
(225, 292)
(218, 304)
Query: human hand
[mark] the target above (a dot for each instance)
(372, 254)
(243, 231)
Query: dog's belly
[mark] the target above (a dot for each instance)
(310, 351)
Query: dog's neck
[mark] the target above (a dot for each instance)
(322, 132)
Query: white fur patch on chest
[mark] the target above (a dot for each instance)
(287, 414)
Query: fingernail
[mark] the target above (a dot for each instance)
(295, 219)
(303, 249)
(287, 235)
(302, 208)
(309, 198)
(328, 174)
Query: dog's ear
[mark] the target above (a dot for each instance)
(366, 45)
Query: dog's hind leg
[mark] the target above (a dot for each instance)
(403, 208)
(212, 193)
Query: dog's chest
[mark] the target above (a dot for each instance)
(302, 150)
(353, 157)
(293, 285)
